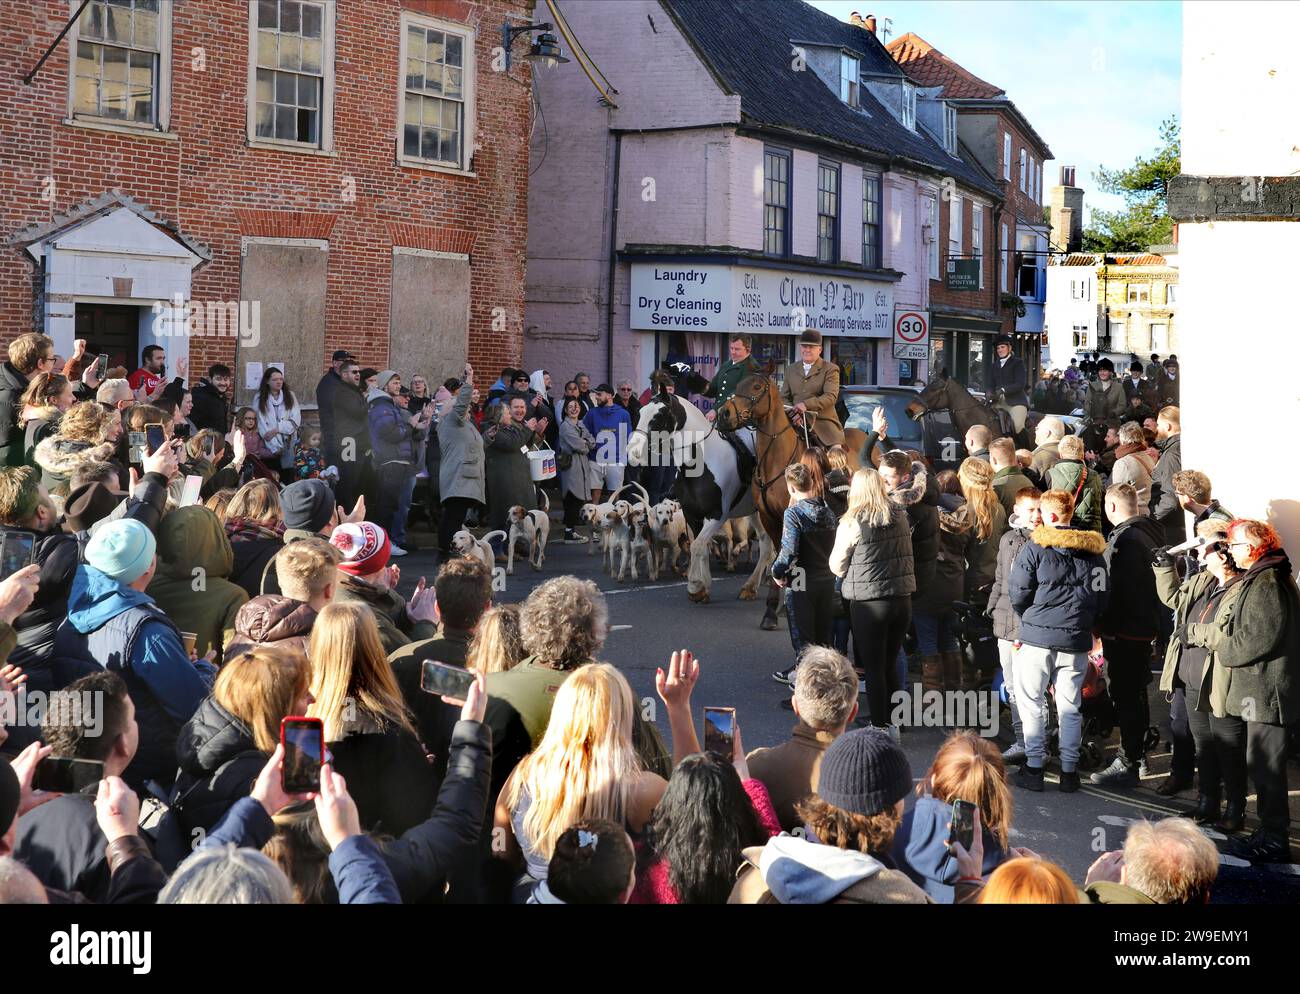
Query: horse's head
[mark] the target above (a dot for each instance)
(661, 417)
(750, 405)
(934, 397)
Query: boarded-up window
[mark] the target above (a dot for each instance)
(286, 282)
(429, 330)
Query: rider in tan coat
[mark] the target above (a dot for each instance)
(811, 387)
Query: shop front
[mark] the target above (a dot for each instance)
(692, 308)
(963, 345)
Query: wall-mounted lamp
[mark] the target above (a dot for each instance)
(545, 49)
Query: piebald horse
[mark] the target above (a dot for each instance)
(711, 485)
(757, 404)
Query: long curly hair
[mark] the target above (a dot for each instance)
(848, 829)
(564, 621)
(701, 827)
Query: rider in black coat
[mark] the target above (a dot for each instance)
(1007, 373)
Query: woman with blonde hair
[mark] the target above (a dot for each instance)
(969, 768)
(585, 767)
(80, 437)
(873, 555)
(497, 645)
(224, 746)
(1030, 880)
(254, 524)
(988, 525)
(367, 725)
(219, 501)
(41, 406)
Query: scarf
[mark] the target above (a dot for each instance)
(248, 530)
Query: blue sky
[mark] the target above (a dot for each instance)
(1095, 79)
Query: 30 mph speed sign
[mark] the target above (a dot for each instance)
(911, 333)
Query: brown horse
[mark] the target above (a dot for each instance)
(757, 404)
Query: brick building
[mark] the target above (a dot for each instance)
(297, 176)
(1006, 145)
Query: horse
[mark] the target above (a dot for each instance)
(712, 485)
(943, 393)
(757, 404)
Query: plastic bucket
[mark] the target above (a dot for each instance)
(541, 465)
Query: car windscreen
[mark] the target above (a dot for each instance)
(903, 430)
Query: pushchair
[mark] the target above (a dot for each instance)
(1097, 714)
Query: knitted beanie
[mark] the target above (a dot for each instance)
(364, 546)
(865, 772)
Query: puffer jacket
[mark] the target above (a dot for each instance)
(219, 762)
(1006, 623)
(1059, 587)
(875, 561)
(272, 621)
(1257, 636)
(38, 425)
(948, 584)
(392, 437)
(193, 584)
(12, 386)
(919, 497)
(58, 458)
(1084, 485)
(1180, 594)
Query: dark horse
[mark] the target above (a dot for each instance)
(757, 404)
(943, 393)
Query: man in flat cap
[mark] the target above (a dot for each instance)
(811, 387)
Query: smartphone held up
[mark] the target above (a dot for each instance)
(304, 751)
(720, 731)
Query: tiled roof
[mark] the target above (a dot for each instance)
(747, 45)
(1116, 259)
(930, 67)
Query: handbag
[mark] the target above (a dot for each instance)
(564, 460)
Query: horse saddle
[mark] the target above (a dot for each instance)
(744, 458)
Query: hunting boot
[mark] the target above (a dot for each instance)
(953, 669)
(932, 673)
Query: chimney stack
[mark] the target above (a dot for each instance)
(1066, 212)
(868, 22)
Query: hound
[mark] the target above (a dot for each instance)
(641, 541)
(532, 528)
(465, 544)
(672, 534)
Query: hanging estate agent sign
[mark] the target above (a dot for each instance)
(719, 298)
(962, 274)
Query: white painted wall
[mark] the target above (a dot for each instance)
(1239, 351)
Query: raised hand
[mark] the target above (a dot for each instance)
(17, 594)
(117, 809)
(336, 809)
(674, 686)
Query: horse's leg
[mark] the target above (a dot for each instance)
(698, 578)
(765, 556)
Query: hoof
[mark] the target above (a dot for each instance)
(768, 624)
(748, 594)
(699, 596)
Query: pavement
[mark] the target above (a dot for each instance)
(648, 621)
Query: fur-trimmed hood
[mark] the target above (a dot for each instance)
(954, 514)
(30, 414)
(59, 456)
(1076, 539)
(916, 489)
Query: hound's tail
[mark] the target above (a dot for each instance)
(645, 496)
(491, 535)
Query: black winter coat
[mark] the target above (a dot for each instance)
(12, 385)
(948, 584)
(330, 382)
(351, 420)
(211, 409)
(219, 762)
(389, 778)
(251, 557)
(428, 854)
(919, 497)
(1134, 609)
(61, 842)
(1006, 623)
(1059, 587)
(1164, 502)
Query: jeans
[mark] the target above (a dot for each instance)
(935, 633)
(404, 508)
(1037, 668)
(1220, 752)
(811, 615)
(390, 485)
(1182, 765)
(1128, 671)
(878, 630)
